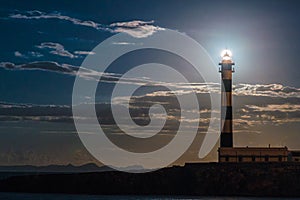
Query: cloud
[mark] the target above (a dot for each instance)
(35, 14)
(286, 108)
(18, 54)
(50, 66)
(84, 52)
(53, 67)
(266, 90)
(44, 65)
(277, 92)
(125, 43)
(247, 118)
(28, 54)
(85, 73)
(17, 112)
(35, 54)
(135, 28)
(268, 114)
(59, 49)
(240, 90)
(56, 49)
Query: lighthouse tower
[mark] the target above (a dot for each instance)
(227, 152)
(226, 71)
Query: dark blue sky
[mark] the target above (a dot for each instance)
(44, 42)
(263, 35)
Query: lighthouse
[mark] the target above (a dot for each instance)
(227, 152)
(226, 71)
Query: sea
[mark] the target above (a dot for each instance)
(27, 196)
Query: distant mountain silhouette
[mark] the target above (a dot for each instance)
(90, 167)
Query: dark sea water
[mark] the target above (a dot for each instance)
(22, 196)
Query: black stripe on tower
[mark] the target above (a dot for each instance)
(226, 113)
(226, 139)
(226, 66)
(227, 85)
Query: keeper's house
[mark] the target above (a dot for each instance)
(254, 154)
(294, 156)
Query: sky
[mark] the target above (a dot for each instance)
(43, 43)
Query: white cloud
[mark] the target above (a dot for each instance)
(28, 54)
(57, 49)
(275, 107)
(277, 91)
(84, 52)
(269, 114)
(67, 69)
(35, 54)
(135, 28)
(42, 15)
(125, 43)
(266, 90)
(18, 54)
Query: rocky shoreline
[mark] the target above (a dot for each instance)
(194, 179)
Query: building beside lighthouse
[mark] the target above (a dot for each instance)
(227, 152)
(253, 154)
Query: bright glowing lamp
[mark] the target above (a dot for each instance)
(226, 54)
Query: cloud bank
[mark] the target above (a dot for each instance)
(242, 90)
(135, 28)
(50, 66)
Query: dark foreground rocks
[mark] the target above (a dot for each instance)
(207, 179)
